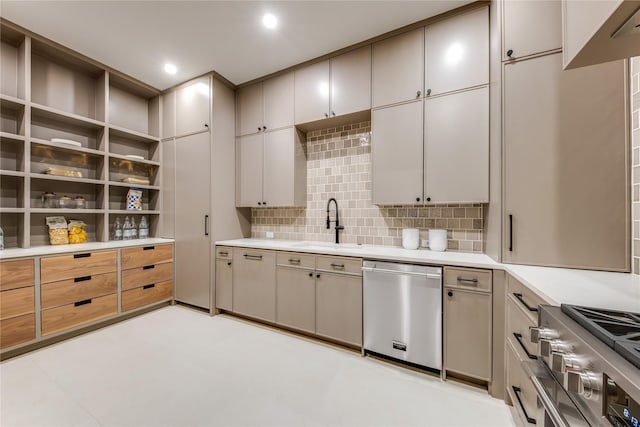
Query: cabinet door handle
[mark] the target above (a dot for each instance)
(510, 53)
(229, 263)
(253, 257)
(468, 280)
(81, 279)
(76, 256)
(520, 298)
(519, 339)
(450, 293)
(318, 276)
(264, 128)
(206, 225)
(335, 265)
(294, 261)
(206, 125)
(516, 391)
(148, 267)
(326, 114)
(148, 248)
(428, 199)
(418, 93)
(153, 285)
(259, 129)
(417, 199)
(510, 233)
(83, 302)
(428, 92)
(310, 274)
(333, 113)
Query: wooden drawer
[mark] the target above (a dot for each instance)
(470, 278)
(519, 385)
(140, 276)
(54, 269)
(65, 292)
(17, 302)
(223, 252)
(17, 330)
(339, 264)
(293, 259)
(72, 315)
(526, 298)
(139, 297)
(518, 324)
(16, 274)
(146, 255)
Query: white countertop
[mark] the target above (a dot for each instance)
(614, 291)
(80, 247)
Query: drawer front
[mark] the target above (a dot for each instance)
(224, 252)
(520, 386)
(72, 315)
(54, 269)
(78, 289)
(527, 299)
(518, 324)
(145, 295)
(146, 255)
(292, 259)
(17, 330)
(16, 274)
(339, 264)
(140, 276)
(471, 278)
(17, 302)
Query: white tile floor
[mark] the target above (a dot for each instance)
(178, 367)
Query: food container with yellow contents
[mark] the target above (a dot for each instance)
(77, 233)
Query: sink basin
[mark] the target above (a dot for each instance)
(326, 246)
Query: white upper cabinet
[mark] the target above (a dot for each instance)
(249, 110)
(456, 138)
(312, 92)
(265, 106)
(278, 102)
(457, 52)
(531, 26)
(192, 106)
(351, 82)
(249, 168)
(398, 68)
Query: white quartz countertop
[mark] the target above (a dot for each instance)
(80, 247)
(614, 291)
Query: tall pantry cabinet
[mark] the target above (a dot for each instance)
(198, 204)
(565, 143)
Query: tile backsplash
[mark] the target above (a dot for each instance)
(339, 165)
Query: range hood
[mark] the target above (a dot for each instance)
(599, 31)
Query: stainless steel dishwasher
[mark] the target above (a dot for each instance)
(402, 310)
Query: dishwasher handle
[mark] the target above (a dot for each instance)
(402, 273)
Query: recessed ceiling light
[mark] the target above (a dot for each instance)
(170, 68)
(269, 21)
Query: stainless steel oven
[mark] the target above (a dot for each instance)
(588, 367)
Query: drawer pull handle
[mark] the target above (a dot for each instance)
(521, 299)
(223, 253)
(468, 280)
(153, 285)
(76, 256)
(516, 391)
(148, 248)
(83, 302)
(294, 261)
(519, 339)
(81, 279)
(148, 267)
(254, 257)
(335, 265)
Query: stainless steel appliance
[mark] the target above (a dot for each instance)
(587, 372)
(402, 310)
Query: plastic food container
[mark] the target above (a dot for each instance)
(77, 234)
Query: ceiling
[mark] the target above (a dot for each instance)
(139, 37)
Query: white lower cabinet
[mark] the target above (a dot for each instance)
(339, 307)
(296, 298)
(254, 283)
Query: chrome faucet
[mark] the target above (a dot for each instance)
(338, 227)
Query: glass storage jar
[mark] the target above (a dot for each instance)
(65, 202)
(49, 200)
(79, 202)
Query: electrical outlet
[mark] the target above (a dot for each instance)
(269, 234)
(424, 243)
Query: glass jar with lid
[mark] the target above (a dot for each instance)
(65, 202)
(49, 200)
(79, 202)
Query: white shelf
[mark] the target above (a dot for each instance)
(138, 161)
(75, 119)
(13, 136)
(12, 210)
(66, 211)
(11, 101)
(18, 174)
(68, 147)
(67, 178)
(129, 185)
(132, 134)
(126, 212)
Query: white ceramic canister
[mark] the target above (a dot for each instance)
(438, 240)
(410, 238)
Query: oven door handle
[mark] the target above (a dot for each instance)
(548, 405)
